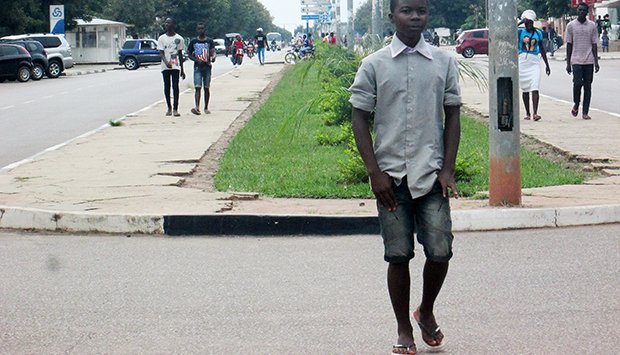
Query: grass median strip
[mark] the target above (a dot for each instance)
(275, 156)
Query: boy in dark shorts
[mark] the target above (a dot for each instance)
(411, 86)
(201, 51)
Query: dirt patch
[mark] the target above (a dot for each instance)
(202, 176)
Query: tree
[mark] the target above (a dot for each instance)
(31, 16)
(140, 14)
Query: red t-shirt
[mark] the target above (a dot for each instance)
(238, 44)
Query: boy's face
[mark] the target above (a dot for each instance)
(410, 17)
(169, 25)
(582, 11)
(200, 29)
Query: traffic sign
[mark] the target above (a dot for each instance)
(310, 17)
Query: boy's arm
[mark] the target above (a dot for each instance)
(569, 48)
(380, 182)
(451, 139)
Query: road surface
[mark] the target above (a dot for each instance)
(37, 115)
(552, 291)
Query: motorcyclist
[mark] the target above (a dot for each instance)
(307, 45)
(236, 45)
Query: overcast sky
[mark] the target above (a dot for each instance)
(287, 13)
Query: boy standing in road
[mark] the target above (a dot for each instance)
(170, 46)
(411, 87)
(582, 58)
(202, 52)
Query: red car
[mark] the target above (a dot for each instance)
(473, 42)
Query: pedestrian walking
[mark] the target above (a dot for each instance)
(553, 40)
(582, 58)
(605, 41)
(170, 46)
(410, 86)
(261, 44)
(530, 47)
(202, 52)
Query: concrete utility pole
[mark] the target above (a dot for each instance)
(377, 18)
(350, 27)
(504, 144)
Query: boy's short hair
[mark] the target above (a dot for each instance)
(200, 24)
(393, 4)
(583, 4)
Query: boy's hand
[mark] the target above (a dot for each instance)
(446, 179)
(183, 75)
(381, 184)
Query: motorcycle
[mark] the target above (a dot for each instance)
(292, 55)
(274, 46)
(250, 51)
(237, 58)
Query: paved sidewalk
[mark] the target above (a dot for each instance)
(126, 179)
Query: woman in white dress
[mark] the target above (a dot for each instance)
(530, 47)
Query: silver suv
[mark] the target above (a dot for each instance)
(57, 48)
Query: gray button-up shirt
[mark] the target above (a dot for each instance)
(407, 89)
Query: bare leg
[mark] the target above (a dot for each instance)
(434, 276)
(399, 283)
(526, 102)
(207, 97)
(197, 98)
(535, 99)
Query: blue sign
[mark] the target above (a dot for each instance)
(310, 17)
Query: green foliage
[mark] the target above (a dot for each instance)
(32, 16)
(145, 16)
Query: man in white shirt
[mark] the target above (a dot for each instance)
(170, 46)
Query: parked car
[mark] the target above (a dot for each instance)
(138, 52)
(473, 42)
(15, 63)
(39, 57)
(58, 51)
(220, 45)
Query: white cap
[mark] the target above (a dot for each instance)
(260, 29)
(529, 14)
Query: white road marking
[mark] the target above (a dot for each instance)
(48, 97)
(7, 107)
(28, 102)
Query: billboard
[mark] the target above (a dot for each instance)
(57, 19)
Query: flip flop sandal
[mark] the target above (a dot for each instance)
(431, 333)
(537, 118)
(194, 111)
(526, 118)
(586, 117)
(400, 349)
(574, 112)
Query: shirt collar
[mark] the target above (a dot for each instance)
(397, 47)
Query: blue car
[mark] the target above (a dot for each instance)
(138, 52)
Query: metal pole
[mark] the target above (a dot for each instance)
(377, 18)
(350, 27)
(504, 130)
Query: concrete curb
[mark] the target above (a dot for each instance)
(279, 225)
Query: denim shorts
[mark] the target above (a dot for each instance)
(202, 77)
(427, 216)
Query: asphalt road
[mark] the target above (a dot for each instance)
(559, 84)
(37, 115)
(551, 291)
